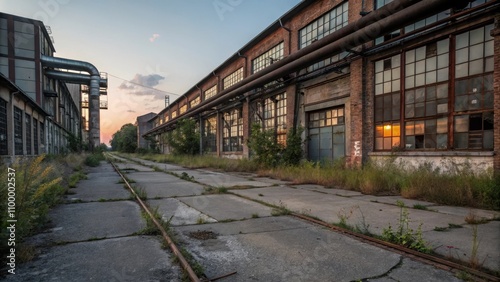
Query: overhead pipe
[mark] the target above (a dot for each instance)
(95, 79)
(71, 77)
(375, 24)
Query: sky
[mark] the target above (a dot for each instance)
(168, 45)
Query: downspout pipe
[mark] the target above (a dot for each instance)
(344, 39)
(95, 78)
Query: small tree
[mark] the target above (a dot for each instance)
(293, 152)
(263, 144)
(125, 139)
(184, 139)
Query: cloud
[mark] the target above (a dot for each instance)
(154, 37)
(135, 86)
(130, 111)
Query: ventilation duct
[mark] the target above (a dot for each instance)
(94, 82)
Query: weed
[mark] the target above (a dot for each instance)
(255, 215)
(185, 176)
(404, 235)
(94, 160)
(140, 192)
(261, 195)
(452, 225)
(218, 190)
(420, 207)
(343, 216)
(473, 219)
(441, 229)
(280, 210)
(75, 178)
(201, 220)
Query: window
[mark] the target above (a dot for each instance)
(27, 128)
(24, 36)
(387, 103)
(474, 52)
(232, 131)
(25, 76)
(380, 3)
(42, 133)
(473, 118)
(211, 92)
(174, 114)
(232, 79)
(427, 21)
(271, 114)
(268, 58)
(473, 131)
(426, 96)
(193, 103)
(18, 131)
(3, 38)
(3, 128)
(183, 109)
(35, 137)
(324, 25)
(210, 134)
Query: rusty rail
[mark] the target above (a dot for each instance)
(185, 265)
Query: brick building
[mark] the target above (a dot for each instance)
(412, 80)
(41, 103)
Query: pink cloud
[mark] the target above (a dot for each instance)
(154, 37)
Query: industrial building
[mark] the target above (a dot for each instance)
(44, 100)
(413, 80)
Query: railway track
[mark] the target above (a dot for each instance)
(435, 261)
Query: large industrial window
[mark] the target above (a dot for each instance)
(232, 79)
(193, 103)
(387, 103)
(183, 109)
(210, 134)
(268, 58)
(232, 131)
(42, 133)
(27, 128)
(24, 36)
(326, 134)
(380, 3)
(271, 114)
(35, 137)
(426, 96)
(473, 120)
(211, 92)
(18, 131)
(4, 38)
(3, 128)
(324, 25)
(434, 105)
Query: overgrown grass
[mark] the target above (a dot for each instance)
(460, 187)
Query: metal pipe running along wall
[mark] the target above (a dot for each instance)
(95, 80)
(381, 21)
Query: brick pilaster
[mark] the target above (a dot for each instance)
(496, 84)
(356, 98)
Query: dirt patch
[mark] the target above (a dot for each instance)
(203, 235)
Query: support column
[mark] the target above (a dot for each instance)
(496, 104)
(356, 113)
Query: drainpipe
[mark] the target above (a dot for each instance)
(95, 78)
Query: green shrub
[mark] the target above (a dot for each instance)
(185, 139)
(94, 160)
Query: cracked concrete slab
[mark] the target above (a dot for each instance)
(137, 258)
(85, 221)
(227, 207)
(178, 213)
(284, 249)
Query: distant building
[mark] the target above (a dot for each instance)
(144, 125)
(41, 103)
(419, 86)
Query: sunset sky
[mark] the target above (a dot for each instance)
(168, 45)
